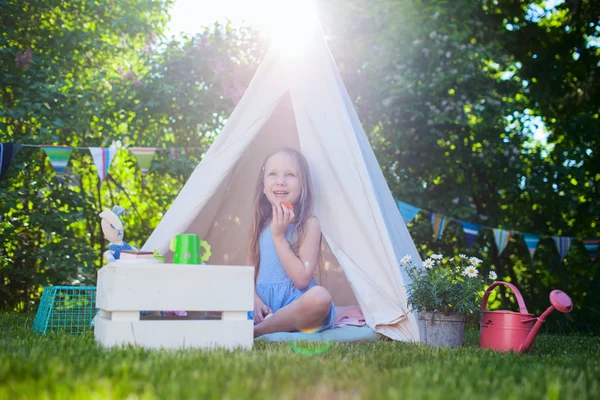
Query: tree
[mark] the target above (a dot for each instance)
(449, 93)
(440, 89)
(94, 82)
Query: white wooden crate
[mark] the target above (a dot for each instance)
(125, 288)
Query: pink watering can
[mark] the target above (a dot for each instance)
(515, 331)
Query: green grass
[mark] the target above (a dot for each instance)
(70, 367)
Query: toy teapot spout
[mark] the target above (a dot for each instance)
(560, 301)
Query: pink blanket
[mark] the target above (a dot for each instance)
(351, 316)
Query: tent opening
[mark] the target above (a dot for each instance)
(225, 221)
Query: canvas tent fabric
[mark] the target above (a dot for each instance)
(297, 99)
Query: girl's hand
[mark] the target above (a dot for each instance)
(260, 310)
(282, 218)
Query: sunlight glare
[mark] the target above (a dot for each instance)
(288, 22)
(291, 22)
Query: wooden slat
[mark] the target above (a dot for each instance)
(135, 286)
(174, 334)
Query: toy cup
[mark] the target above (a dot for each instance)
(186, 248)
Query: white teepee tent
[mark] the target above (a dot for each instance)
(298, 100)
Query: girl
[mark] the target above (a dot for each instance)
(284, 248)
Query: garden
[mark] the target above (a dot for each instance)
(453, 146)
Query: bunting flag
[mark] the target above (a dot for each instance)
(562, 244)
(502, 237)
(8, 152)
(531, 240)
(59, 158)
(407, 211)
(144, 156)
(471, 231)
(439, 224)
(103, 157)
(591, 245)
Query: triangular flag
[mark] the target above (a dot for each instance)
(591, 245)
(471, 231)
(531, 240)
(407, 211)
(144, 156)
(502, 237)
(59, 158)
(103, 157)
(8, 152)
(562, 244)
(439, 224)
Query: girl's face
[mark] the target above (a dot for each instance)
(282, 179)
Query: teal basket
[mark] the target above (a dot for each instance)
(66, 309)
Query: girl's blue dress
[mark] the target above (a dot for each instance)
(274, 287)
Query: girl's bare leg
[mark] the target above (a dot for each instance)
(306, 313)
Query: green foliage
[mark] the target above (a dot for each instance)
(87, 74)
(63, 366)
(60, 59)
(449, 286)
(449, 93)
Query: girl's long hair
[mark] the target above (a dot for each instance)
(263, 209)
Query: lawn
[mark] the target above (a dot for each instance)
(71, 367)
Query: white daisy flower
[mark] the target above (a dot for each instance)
(452, 259)
(462, 256)
(437, 256)
(471, 271)
(428, 263)
(406, 259)
(475, 261)
(493, 275)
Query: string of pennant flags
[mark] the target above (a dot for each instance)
(501, 236)
(103, 157)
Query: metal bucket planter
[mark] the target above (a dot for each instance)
(445, 330)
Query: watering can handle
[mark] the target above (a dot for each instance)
(516, 292)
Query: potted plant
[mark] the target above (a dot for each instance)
(443, 292)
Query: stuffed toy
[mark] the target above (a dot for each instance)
(113, 232)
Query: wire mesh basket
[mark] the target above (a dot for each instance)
(66, 309)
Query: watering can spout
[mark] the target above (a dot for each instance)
(561, 302)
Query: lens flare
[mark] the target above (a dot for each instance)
(311, 330)
(310, 348)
